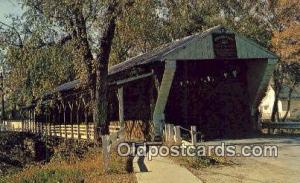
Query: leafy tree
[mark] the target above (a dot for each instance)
(76, 25)
(139, 29)
(285, 42)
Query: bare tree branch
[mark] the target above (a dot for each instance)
(61, 42)
(20, 41)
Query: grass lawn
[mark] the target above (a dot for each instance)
(86, 169)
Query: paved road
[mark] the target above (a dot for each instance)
(162, 170)
(282, 169)
(285, 168)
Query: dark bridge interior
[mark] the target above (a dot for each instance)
(213, 96)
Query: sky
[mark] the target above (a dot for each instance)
(9, 7)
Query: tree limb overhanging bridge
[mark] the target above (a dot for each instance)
(214, 80)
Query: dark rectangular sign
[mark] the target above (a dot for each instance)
(224, 45)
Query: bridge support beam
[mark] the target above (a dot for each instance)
(121, 105)
(162, 98)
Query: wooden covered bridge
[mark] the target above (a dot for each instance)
(214, 80)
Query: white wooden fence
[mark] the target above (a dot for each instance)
(292, 127)
(82, 131)
(173, 134)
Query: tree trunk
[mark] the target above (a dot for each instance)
(288, 104)
(275, 108)
(277, 89)
(101, 91)
(83, 46)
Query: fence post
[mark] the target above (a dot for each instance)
(105, 152)
(78, 125)
(71, 119)
(167, 126)
(171, 133)
(59, 119)
(194, 135)
(65, 123)
(86, 124)
(48, 122)
(35, 123)
(32, 121)
(27, 124)
(22, 122)
(54, 130)
(35, 127)
(29, 121)
(177, 136)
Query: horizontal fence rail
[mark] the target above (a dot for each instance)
(174, 134)
(75, 131)
(281, 125)
(10, 125)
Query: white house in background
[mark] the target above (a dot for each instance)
(267, 103)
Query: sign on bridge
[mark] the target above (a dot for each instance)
(224, 45)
